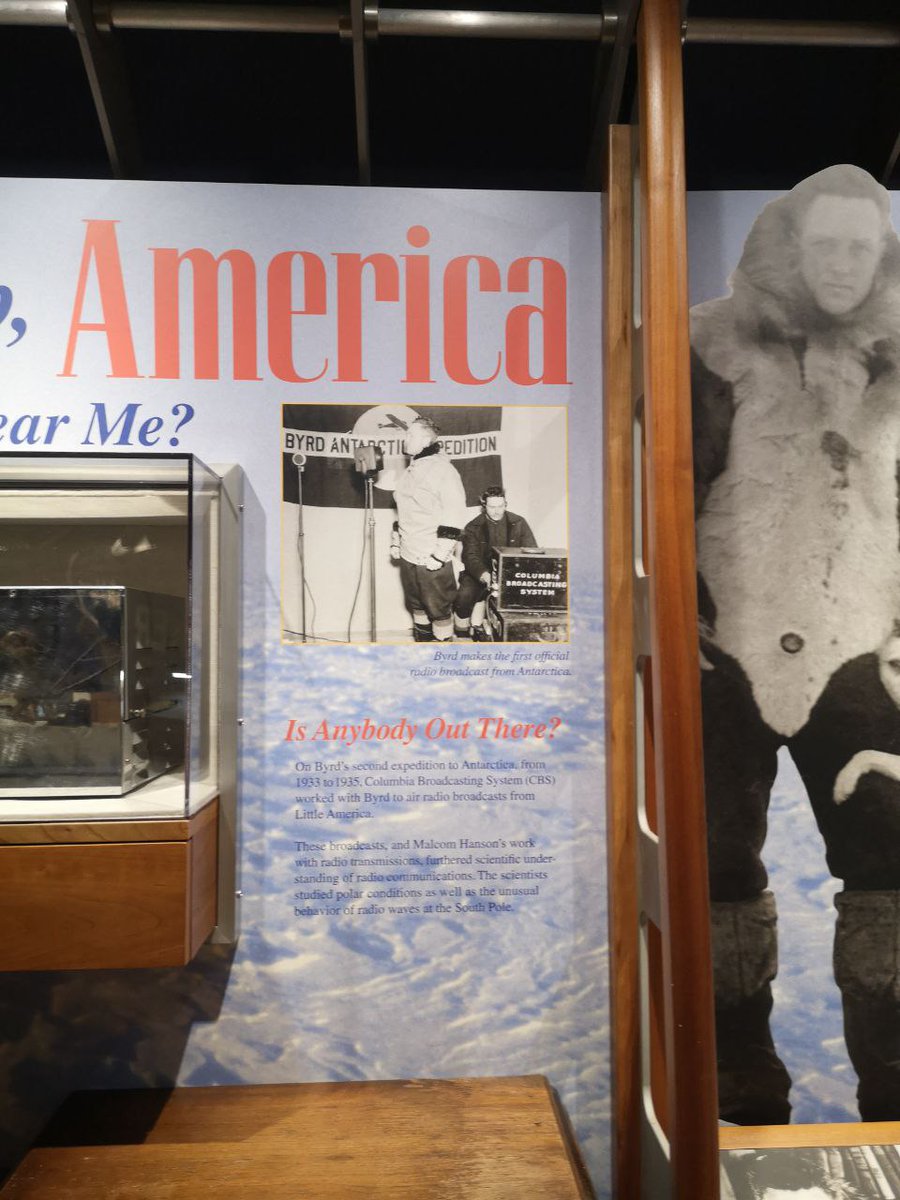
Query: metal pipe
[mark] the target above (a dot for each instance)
(33, 12)
(418, 22)
(726, 31)
(218, 18)
(361, 96)
(404, 22)
(412, 22)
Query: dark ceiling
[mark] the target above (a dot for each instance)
(767, 116)
(450, 112)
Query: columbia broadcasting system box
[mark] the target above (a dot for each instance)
(524, 578)
(530, 598)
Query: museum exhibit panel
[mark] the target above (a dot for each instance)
(298, 897)
(411, 815)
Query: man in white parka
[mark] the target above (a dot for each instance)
(431, 511)
(796, 396)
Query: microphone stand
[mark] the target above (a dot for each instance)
(370, 531)
(299, 461)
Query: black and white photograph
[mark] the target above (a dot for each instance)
(811, 1173)
(796, 404)
(425, 524)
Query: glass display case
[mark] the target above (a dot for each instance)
(109, 635)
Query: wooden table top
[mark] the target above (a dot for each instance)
(459, 1139)
(845, 1133)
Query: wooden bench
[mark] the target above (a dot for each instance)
(459, 1139)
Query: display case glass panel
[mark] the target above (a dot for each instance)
(107, 654)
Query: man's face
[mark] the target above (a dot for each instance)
(495, 507)
(418, 436)
(840, 249)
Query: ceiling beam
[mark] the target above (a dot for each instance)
(612, 66)
(360, 16)
(108, 81)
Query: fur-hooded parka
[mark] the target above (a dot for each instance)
(796, 442)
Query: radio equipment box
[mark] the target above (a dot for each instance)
(530, 578)
(516, 625)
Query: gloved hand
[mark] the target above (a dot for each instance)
(395, 545)
(443, 548)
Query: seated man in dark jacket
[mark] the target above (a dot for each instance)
(494, 526)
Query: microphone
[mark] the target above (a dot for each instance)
(299, 460)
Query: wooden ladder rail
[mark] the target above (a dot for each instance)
(664, 1071)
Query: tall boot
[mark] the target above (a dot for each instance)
(866, 949)
(442, 628)
(753, 1081)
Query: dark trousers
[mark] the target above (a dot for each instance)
(471, 590)
(429, 592)
(854, 713)
(862, 846)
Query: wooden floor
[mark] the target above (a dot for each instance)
(461, 1139)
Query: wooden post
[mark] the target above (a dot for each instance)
(620, 659)
(664, 1063)
(689, 1022)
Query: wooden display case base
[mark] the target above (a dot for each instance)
(465, 1139)
(107, 894)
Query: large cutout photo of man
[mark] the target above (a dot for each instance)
(796, 399)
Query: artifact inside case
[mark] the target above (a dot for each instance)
(91, 688)
(108, 645)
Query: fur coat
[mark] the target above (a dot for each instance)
(796, 444)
